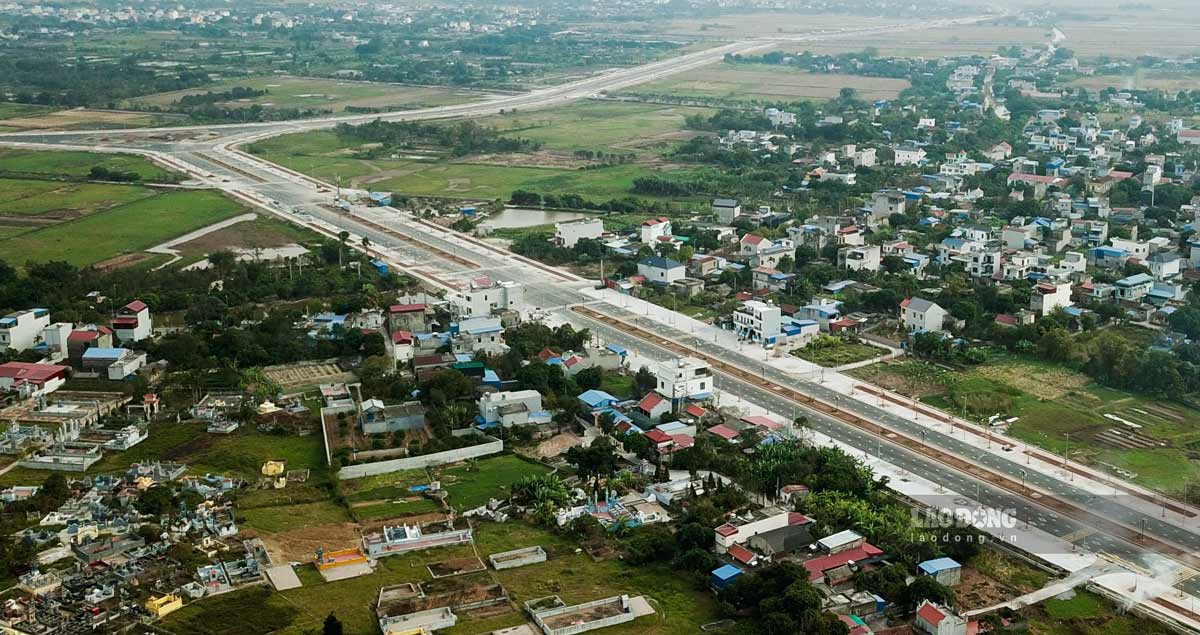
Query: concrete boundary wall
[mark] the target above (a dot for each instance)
(490, 446)
(517, 557)
(627, 615)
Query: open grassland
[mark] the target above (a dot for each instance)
(766, 82)
(471, 484)
(835, 351)
(499, 181)
(320, 94)
(1050, 402)
(120, 230)
(76, 165)
(612, 127)
(1084, 613)
(597, 125)
(573, 576)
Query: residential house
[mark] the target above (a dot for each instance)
(568, 233)
(1165, 265)
(32, 380)
(659, 270)
(684, 378)
(884, 203)
(378, 418)
(19, 331)
(823, 311)
(413, 318)
(770, 279)
(484, 296)
(932, 619)
(80, 340)
(133, 323)
(654, 406)
(740, 529)
(864, 258)
(726, 210)
(519, 407)
(908, 154)
(757, 322)
(1107, 257)
(655, 228)
(114, 363)
(1133, 288)
(1040, 184)
(919, 314)
(1048, 296)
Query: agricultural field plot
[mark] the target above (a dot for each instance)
(320, 94)
(471, 484)
(1140, 79)
(9, 110)
(72, 164)
(83, 119)
(56, 200)
(114, 236)
(764, 82)
(751, 25)
(1151, 442)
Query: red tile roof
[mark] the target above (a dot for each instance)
(650, 401)
(83, 336)
(35, 373)
(904, 304)
(796, 518)
(402, 337)
(658, 437)
(727, 530)
(1005, 318)
(752, 239)
(818, 566)
(741, 554)
(854, 627)
(763, 421)
(135, 306)
(724, 431)
(931, 614)
(695, 411)
(406, 308)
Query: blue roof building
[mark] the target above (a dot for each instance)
(945, 570)
(596, 399)
(723, 576)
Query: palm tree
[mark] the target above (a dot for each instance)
(366, 244)
(343, 236)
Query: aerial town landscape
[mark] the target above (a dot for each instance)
(737, 317)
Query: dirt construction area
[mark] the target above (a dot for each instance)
(459, 566)
(299, 545)
(977, 590)
(590, 614)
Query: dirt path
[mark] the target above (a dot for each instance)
(169, 246)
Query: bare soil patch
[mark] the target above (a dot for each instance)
(299, 545)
